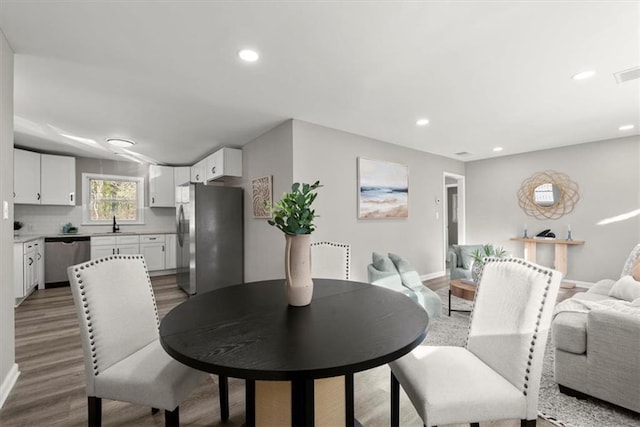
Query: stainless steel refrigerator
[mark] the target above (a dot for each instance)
(210, 241)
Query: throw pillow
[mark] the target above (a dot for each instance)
(635, 271)
(626, 289)
(382, 263)
(409, 275)
(466, 253)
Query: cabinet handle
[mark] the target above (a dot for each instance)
(162, 248)
(152, 238)
(38, 197)
(153, 200)
(30, 260)
(71, 197)
(197, 177)
(14, 194)
(113, 251)
(118, 251)
(213, 169)
(39, 257)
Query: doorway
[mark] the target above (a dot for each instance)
(454, 213)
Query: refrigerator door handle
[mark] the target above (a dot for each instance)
(179, 227)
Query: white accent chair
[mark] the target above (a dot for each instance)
(497, 374)
(123, 357)
(330, 260)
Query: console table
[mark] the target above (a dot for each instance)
(560, 260)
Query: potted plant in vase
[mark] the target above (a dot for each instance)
(480, 255)
(293, 215)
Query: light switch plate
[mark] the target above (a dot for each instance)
(5, 209)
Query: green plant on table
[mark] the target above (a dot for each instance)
(292, 214)
(488, 251)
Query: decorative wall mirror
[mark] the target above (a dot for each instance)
(548, 195)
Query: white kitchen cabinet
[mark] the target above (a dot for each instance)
(28, 267)
(26, 177)
(152, 247)
(102, 246)
(161, 186)
(57, 180)
(43, 179)
(224, 162)
(198, 171)
(169, 251)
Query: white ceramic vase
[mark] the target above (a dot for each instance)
(297, 267)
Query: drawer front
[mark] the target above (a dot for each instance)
(152, 238)
(31, 246)
(103, 240)
(127, 240)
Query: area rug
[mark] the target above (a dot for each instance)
(554, 406)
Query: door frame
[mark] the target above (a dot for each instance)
(460, 183)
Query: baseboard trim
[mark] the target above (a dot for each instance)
(580, 284)
(433, 275)
(8, 383)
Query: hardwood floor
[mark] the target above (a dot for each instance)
(51, 388)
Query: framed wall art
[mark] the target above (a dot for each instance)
(383, 189)
(262, 197)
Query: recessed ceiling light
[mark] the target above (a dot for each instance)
(626, 127)
(119, 142)
(422, 122)
(584, 75)
(248, 55)
(496, 149)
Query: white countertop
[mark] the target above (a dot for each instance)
(26, 237)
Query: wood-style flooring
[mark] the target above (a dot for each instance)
(51, 388)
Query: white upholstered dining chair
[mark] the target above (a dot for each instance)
(330, 260)
(497, 374)
(123, 357)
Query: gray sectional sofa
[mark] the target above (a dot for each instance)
(596, 335)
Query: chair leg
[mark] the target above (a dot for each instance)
(94, 405)
(223, 388)
(395, 401)
(528, 423)
(154, 411)
(172, 418)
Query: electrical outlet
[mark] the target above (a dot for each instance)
(5, 209)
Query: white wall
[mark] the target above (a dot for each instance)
(269, 154)
(8, 367)
(608, 175)
(329, 155)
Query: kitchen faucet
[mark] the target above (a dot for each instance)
(116, 227)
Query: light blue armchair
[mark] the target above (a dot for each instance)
(395, 273)
(461, 260)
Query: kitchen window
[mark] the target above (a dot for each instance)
(106, 196)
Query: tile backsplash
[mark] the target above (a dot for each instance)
(50, 219)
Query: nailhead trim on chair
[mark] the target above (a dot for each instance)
(540, 309)
(339, 245)
(85, 303)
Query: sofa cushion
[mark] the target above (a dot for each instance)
(409, 275)
(383, 263)
(602, 287)
(570, 332)
(466, 253)
(625, 288)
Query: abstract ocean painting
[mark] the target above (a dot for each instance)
(383, 189)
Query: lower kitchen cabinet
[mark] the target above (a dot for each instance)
(102, 246)
(28, 269)
(169, 251)
(152, 247)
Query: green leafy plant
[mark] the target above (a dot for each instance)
(292, 214)
(488, 251)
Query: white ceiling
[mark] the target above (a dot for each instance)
(166, 74)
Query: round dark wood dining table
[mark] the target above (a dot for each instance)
(249, 331)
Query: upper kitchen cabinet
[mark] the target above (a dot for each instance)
(224, 162)
(161, 186)
(26, 177)
(182, 175)
(198, 171)
(44, 179)
(57, 180)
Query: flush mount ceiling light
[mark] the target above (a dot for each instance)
(496, 149)
(248, 55)
(422, 122)
(119, 142)
(583, 75)
(626, 127)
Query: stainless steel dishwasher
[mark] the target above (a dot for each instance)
(60, 253)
